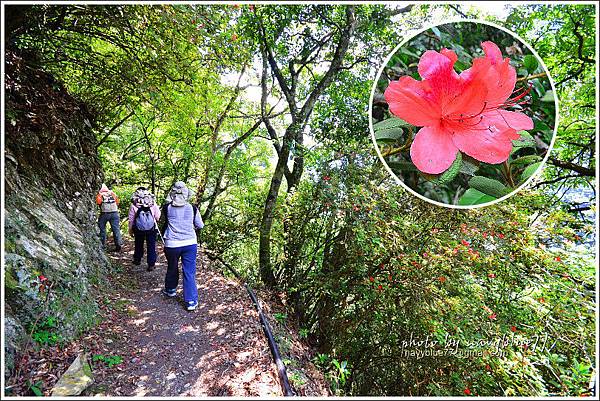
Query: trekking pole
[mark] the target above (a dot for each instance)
(201, 253)
(158, 229)
(159, 234)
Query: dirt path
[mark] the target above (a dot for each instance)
(219, 349)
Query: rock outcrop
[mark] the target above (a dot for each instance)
(53, 259)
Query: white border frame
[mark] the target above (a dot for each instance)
(513, 192)
(416, 2)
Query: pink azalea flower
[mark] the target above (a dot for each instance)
(459, 112)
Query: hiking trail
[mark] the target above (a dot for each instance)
(217, 350)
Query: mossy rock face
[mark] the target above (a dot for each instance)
(67, 255)
(52, 174)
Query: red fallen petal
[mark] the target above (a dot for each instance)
(515, 120)
(492, 52)
(409, 100)
(433, 150)
(489, 141)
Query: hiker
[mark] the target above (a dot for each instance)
(182, 219)
(109, 213)
(143, 217)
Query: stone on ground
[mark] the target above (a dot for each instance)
(75, 380)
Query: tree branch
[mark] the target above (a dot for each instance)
(336, 62)
(583, 171)
(289, 95)
(114, 127)
(263, 106)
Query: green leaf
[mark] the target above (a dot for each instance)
(401, 166)
(36, 391)
(407, 51)
(393, 122)
(548, 96)
(530, 63)
(388, 134)
(525, 160)
(528, 172)
(540, 125)
(489, 186)
(468, 168)
(525, 141)
(474, 197)
(449, 174)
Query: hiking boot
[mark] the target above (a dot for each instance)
(118, 248)
(169, 293)
(151, 267)
(191, 305)
(137, 262)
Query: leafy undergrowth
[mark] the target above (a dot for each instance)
(299, 357)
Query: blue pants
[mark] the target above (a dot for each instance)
(188, 261)
(113, 219)
(150, 238)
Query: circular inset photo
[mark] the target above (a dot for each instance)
(463, 114)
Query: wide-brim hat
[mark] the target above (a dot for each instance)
(179, 194)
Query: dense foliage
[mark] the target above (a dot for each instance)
(263, 111)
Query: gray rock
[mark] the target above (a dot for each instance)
(15, 335)
(75, 380)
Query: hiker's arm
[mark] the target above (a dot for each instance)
(198, 223)
(131, 218)
(116, 198)
(156, 212)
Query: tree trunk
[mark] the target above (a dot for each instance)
(207, 168)
(264, 250)
(294, 133)
(153, 163)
